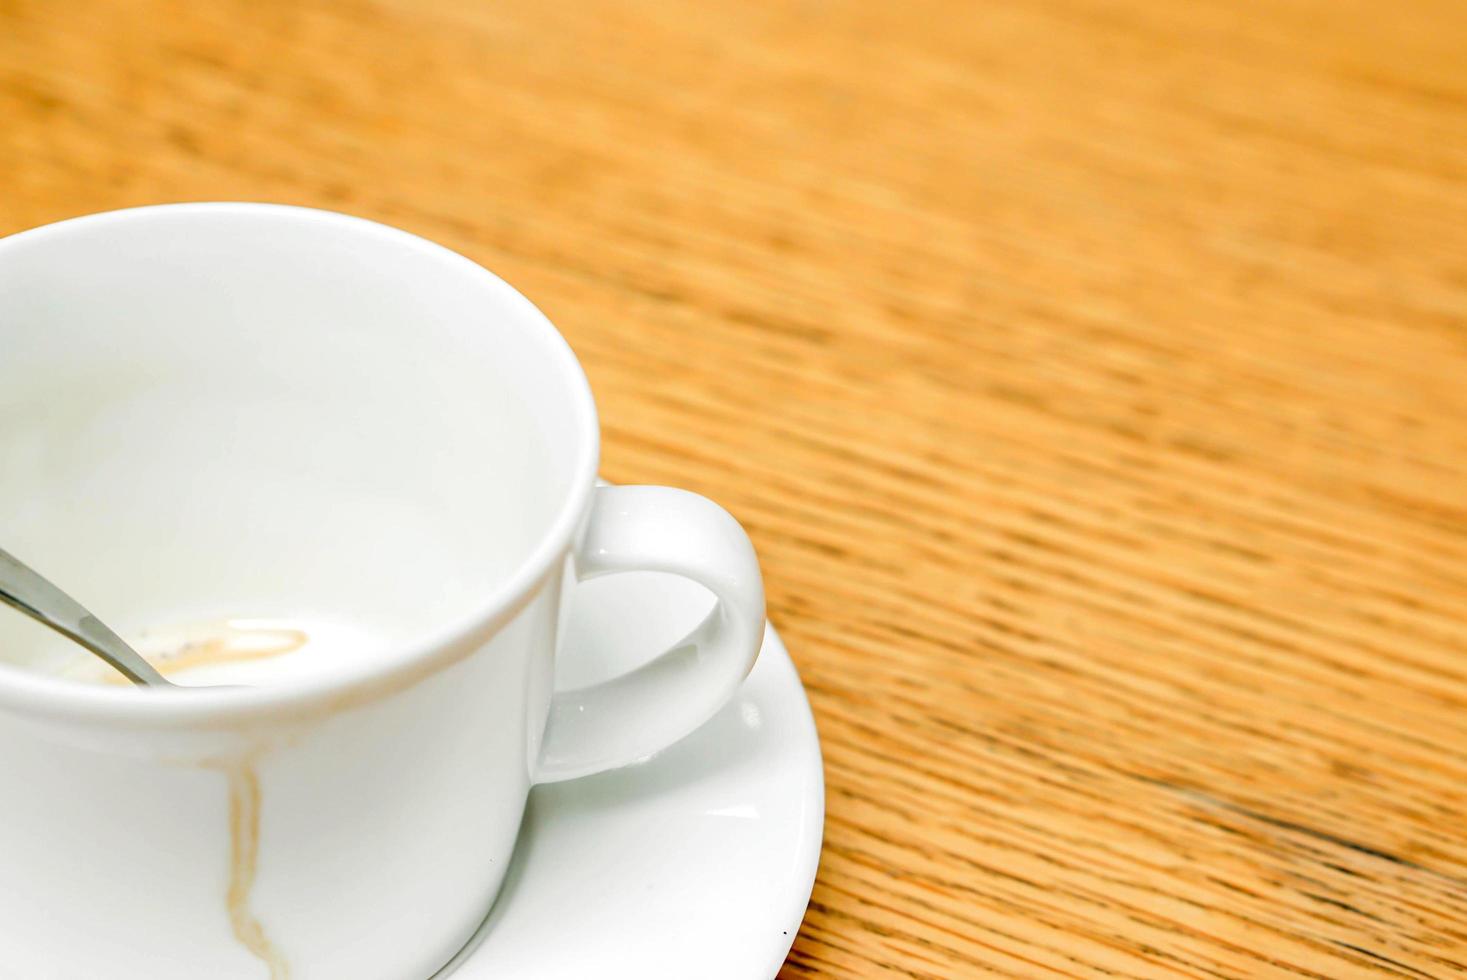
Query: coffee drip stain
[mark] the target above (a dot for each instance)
(244, 853)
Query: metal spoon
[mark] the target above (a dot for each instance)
(22, 588)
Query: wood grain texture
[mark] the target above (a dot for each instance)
(1092, 377)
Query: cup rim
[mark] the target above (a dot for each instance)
(42, 696)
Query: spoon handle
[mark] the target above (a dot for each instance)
(27, 591)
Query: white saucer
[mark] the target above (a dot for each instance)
(698, 862)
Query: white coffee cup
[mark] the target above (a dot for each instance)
(243, 410)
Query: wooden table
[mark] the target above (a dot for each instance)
(1092, 377)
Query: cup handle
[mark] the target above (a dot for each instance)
(626, 719)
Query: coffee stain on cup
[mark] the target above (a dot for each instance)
(244, 856)
(234, 643)
(210, 644)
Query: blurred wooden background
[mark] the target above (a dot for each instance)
(1091, 375)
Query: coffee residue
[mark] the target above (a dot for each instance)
(239, 645)
(212, 644)
(244, 852)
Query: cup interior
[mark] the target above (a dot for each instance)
(266, 413)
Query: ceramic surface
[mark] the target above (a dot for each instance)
(237, 411)
(698, 862)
